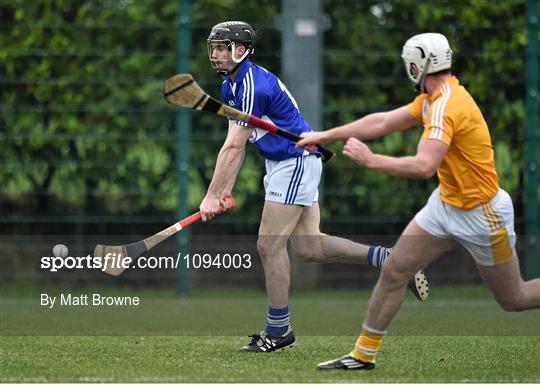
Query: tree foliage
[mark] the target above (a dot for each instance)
(83, 122)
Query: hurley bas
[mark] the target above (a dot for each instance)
(94, 299)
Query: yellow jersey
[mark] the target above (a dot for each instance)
(467, 174)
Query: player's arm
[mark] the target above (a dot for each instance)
(228, 164)
(423, 165)
(371, 126)
(232, 180)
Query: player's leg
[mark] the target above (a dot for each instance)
(310, 245)
(492, 245)
(285, 184)
(509, 288)
(277, 222)
(424, 239)
(414, 250)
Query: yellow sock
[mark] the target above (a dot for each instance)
(368, 344)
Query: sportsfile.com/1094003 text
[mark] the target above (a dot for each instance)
(189, 261)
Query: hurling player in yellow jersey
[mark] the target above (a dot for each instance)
(467, 207)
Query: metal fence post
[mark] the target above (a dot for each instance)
(183, 140)
(531, 140)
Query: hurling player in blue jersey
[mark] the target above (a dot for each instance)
(291, 211)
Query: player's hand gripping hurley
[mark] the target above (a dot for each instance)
(114, 256)
(183, 91)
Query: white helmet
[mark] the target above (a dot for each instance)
(424, 54)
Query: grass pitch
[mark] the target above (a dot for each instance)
(459, 335)
(214, 359)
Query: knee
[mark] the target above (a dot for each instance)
(391, 273)
(307, 248)
(511, 303)
(268, 245)
(263, 247)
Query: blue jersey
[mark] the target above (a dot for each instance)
(260, 93)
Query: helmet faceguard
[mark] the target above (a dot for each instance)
(425, 54)
(231, 34)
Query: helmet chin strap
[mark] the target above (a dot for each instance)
(421, 85)
(234, 69)
(242, 58)
(237, 61)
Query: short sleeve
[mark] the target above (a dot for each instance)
(415, 107)
(439, 123)
(253, 99)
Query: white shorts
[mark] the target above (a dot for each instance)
(293, 181)
(486, 231)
